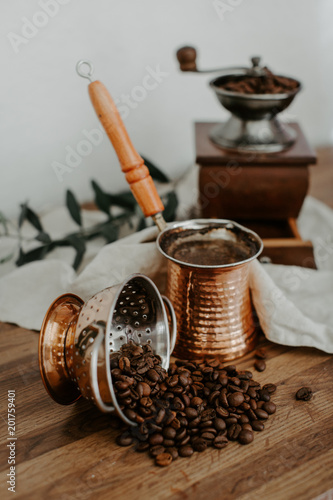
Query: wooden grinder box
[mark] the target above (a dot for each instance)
(265, 192)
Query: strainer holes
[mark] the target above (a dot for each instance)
(121, 338)
(126, 321)
(124, 311)
(149, 341)
(127, 298)
(144, 316)
(148, 330)
(139, 335)
(119, 328)
(136, 324)
(141, 301)
(143, 307)
(133, 291)
(132, 304)
(121, 303)
(135, 313)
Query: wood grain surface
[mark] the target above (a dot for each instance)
(69, 452)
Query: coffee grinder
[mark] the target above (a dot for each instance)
(254, 167)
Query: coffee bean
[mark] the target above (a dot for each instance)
(142, 446)
(183, 380)
(235, 399)
(184, 441)
(245, 436)
(181, 434)
(191, 413)
(173, 452)
(153, 375)
(231, 421)
(222, 412)
(208, 436)
(185, 451)
(244, 419)
(252, 392)
(200, 445)
(257, 425)
(156, 450)
(247, 427)
(304, 394)
(124, 439)
(219, 424)
(121, 385)
(169, 443)
(260, 365)
(143, 389)
(155, 439)
(196, 401)
(160, 416)
(270, 408)
(261, 414)
(271, 388)
(169, 432)
(234, 431)
(220, 442)
(264, 395)
(163, 460)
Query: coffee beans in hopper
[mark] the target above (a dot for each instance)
(192, 406)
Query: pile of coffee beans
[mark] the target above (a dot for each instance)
(266, 84)
(192, 406)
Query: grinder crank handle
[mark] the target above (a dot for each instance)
(187, 58)
(136, 172)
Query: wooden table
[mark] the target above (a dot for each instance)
(69, 452)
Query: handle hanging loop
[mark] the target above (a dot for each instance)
(85, 73)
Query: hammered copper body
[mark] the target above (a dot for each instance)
(212, 303)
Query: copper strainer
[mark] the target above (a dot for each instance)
(77, 339)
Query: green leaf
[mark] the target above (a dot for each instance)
(110, 232)
(79, 245)
(22, 215)
(33, 218)
(102, 199)
(7, 258)
(35, 254)
(43, 237)
(171, 205)
(155, 172)
(142, 224)
(73, 207)
(123, 200)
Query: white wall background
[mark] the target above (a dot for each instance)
(45, 106)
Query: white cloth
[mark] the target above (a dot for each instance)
(294, 304)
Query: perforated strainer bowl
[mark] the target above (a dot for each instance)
(77, 339)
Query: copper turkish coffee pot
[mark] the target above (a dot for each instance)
(211, 301)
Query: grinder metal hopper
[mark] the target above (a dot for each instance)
(253, 125)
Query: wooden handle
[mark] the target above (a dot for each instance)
(187, 58)
(136, 172)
